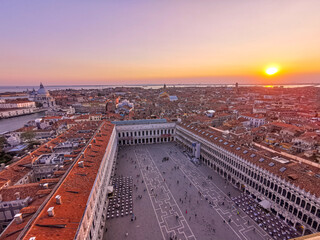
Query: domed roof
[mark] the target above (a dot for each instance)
(42, 90)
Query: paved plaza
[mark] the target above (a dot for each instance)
(175, 199)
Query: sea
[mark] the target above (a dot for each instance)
(4, 89)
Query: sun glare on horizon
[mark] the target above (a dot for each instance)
(271, 70)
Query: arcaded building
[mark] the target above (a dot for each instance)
(76, 206)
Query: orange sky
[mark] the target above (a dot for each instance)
(154, 42)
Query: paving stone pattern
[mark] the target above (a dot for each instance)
(175, 199)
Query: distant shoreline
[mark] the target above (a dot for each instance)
(4, 89)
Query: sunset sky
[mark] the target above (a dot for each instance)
(166, 41)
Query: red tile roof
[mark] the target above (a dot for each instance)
(74, 191)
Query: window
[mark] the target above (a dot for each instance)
(281, 203)
(305, 217)
(313, 209)
(286, 205)
(289, 195)
(298, 201)
(308, 207)
(314, 225)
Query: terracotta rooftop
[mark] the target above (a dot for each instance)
(19, 169)
(74, 191)
(39, 195)
(25, 190)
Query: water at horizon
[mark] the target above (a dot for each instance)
(147, 86)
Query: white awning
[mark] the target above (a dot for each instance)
(109, 189)
(265, 204)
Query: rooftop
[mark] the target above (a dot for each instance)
(74, 191)
(142, 121)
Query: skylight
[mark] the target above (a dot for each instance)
(225, 143)
(245, 151)
(261, 159)
(252, 155)
(238, 148)
(271, 164)
(282, 169)
(231, 145)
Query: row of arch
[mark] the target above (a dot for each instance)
(143, 133)
(255, 181)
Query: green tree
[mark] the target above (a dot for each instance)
(2, 142)
(38, 105)
(28, 136)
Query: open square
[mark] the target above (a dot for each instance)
(176, 198)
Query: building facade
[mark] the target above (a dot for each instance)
(297, 206)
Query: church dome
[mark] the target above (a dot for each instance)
(42, 90)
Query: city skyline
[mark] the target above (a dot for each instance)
(141, 42)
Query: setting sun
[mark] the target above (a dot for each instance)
(271, 70)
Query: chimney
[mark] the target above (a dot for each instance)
(90, 145)
(94, 140)
(0, 197)
(81, 164)
(58, 200)
(18, 218)
(51, 211)
(17, 195)
(45, 185)
(32, 238)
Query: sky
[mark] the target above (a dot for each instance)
(149, 42)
